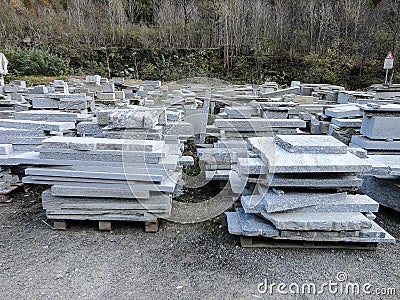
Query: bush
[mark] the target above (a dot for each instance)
(24, 61)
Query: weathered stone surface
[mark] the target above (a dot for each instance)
(311, 144)
(384, 191)
(281, 161)
(325, 180)
(318, 221)
(253, 166)
(352, 123)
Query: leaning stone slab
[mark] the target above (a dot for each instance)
(318, 221)
(384, 191)
(311, 144)
(255, 226)
(234, 226)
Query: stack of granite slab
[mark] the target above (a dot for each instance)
(8, 182)
(25, 135)
(345, 121)
(109, 96)
(42, 99)
(302, 189)
(105, 180)
(252, 127)
(218, 160)
(381, 139)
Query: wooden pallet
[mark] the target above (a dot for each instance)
(106, 225)
(257, 242)
(5, 196)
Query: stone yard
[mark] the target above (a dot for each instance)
(296, 182)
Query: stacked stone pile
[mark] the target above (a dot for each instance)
(303, 190)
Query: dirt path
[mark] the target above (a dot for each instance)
(198, 261)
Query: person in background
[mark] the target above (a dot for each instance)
(3, 68)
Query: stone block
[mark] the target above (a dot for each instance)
(378, 145)
(381, 128)
(105, 96)
(353, 123)
(311, 144)
(344, 111)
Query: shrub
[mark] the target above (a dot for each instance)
(31, 61)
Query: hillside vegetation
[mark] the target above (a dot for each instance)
(340, 41)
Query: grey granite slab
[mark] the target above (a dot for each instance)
(37, 125)
(344, 111)
(234, 226)
(379, 145)
(281, 161)
(384, 191)
(156, 203)
(6, 132)
(272, 202)
(318, 221)
(326, 180)
(381, 128)
(248, 166)
(144, 176)
(352, 123)
(310, 144)
(258, 124)
(253, 225)
(275, 202)
(102, 144)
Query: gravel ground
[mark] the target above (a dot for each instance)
(200, 261)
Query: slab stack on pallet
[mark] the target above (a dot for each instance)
(106, 179)
(42, 99)
(381, 138)
(302, 194)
